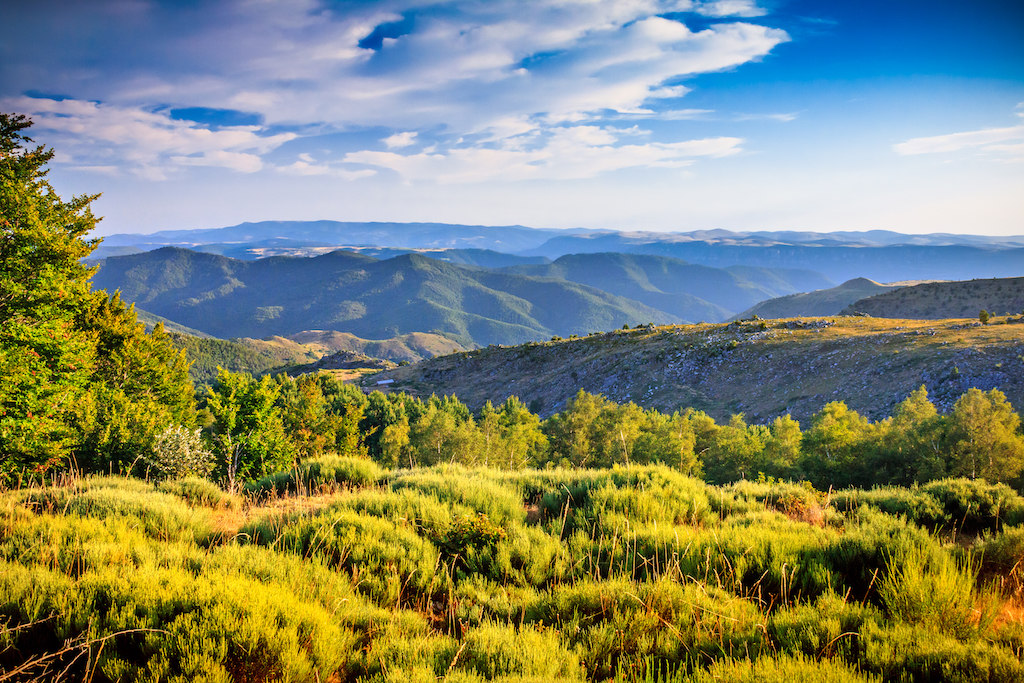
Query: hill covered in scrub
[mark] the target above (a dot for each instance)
(366, 297)
(820, 302)
(760, 368)
(934, 300)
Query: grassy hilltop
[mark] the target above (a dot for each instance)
(761, 368)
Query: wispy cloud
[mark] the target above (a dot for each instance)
(147, 143)
(567, 153)
(1004, 143)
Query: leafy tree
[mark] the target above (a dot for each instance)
(83, 382)
(572, 433)
(781, 454)
(911, 450)
(385, 429)
(44, 359)
(667, 439)
(833, 445)
(984, 316)
(510, 436)
(735, 452)
(446, 432)
(983, 437)
(139, 385)
(247, 431)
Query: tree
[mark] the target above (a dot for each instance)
(139, 386)
(983, 437)
(911, 450)
(247, 432)
(667, 439)
(782, 447)
(572, 433)
(44, 359)
(833, 446)
(983, 317)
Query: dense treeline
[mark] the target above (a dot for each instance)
(313, 414)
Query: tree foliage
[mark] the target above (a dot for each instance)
(83, 383)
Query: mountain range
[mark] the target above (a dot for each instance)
(367, 297)
(877, 254)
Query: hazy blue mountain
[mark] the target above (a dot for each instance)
(507, 238)
(819, 302)
(691, 292)
(367, 297)
(881, 263)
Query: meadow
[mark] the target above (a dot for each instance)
(342, 570)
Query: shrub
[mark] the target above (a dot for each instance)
(199, 492)
(179, 452)
(318, 475)
(975, 505)
(930, 589)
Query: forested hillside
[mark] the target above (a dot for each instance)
(367, 297)
(690, 292)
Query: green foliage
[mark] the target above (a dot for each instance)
(639, 573)
(247, 431)
(322, 474)
(84, 385)
(984, 437)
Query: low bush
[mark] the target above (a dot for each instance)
(327, 473)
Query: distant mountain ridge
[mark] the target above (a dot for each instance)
(361, 295)
(689, 291)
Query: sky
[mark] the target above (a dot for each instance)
(668, 115)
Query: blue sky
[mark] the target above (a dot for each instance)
(624, 114)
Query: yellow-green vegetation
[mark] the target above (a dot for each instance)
(344, 571)
(762, 368)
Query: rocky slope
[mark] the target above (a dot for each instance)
(760, 368)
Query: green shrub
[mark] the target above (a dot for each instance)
(326, 473)
(930, 589)
(199, 492)
(781, 669)
(387, 561)
(975, 505)
(906, 652)
(915, 505)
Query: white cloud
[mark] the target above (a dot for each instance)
(730, 8)
(400, 140)
(996, 142)
(565, 153)
(146, 143)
